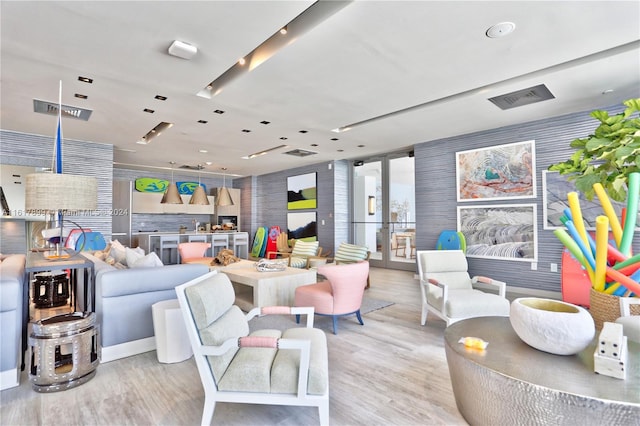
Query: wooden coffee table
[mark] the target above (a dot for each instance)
(267, 288)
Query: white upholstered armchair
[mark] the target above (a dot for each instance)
(272, 367)
(448, 291)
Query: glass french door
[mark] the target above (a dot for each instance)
(384, 210)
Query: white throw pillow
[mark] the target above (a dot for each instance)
(148, 261)
(132, 255)
(118, 251)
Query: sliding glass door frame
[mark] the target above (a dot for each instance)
(372, 214)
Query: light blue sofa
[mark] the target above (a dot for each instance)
(11, 315)
(123, 303)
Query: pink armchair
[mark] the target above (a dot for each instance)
(194, 253)
(340, 295)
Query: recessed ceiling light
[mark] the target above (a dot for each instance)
(242, 61)
(500, 30)
(78, 95)
(303, 131)
(283, 138)
(85, 79)
(246, 130)
(203, 151)
(340, 150)
(606, 92)
(208, 163)
(161, 98)
(335, 139)
(218, 111)
(202, 121)
(150, 111)
(265, 122)
(360, 146)
(314, 144)
(284, 30)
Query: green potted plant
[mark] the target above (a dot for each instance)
(607, 156)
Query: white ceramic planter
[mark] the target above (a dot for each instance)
(552, 326)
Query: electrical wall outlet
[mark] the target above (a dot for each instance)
(553, 267)
(534, 266)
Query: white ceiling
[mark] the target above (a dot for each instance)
(368, 59)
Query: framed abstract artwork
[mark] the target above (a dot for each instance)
(501, 172)
(301, 192)
(506, 232)
(302, 226)
(555, 188)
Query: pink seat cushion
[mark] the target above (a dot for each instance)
(317, 295)
(201, 260)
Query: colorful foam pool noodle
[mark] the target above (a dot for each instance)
(628, 270)
(616, 255)
(621, 290)
(631, 215)
(576, 216)
(586, 251)
(602, 240)
(612, 288)
(626, 262)
(607, 207)
(567, 213)
(625, 281)
(571, 245)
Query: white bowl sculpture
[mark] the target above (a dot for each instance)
(552, 326)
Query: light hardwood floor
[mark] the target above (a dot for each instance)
(392, 371)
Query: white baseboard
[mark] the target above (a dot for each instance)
(123, 350)
(9, 378)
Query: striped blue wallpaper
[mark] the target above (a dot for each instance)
(78, 157)
(436, 198)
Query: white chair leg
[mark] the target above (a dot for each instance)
(323, 410)
(207, 413)
(423, 320)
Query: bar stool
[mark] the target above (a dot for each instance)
(219, 242)
(240, 244)
(169, 242)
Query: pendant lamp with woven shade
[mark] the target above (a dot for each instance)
(199, 197)
(171, 195)
(224, 197)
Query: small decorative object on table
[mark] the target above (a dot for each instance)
(265, 265)
(552, 326)
(610, 355)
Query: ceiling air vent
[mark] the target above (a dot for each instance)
(51, 108)
(523, 97)
(188, 167)
(300, 153)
